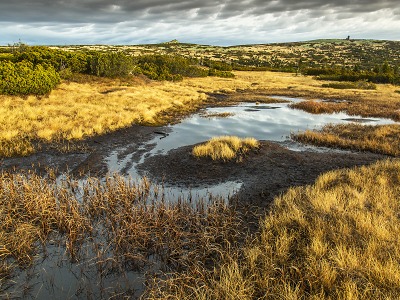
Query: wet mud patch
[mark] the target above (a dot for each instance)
(265, 173)
(92, 161)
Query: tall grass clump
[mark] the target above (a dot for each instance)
(225, 147)
(114, 223)
(16, 147)
(335, 239)
(383, 139)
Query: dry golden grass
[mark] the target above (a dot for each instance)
(366, 108)
(225, 147)
(336, 239)
(383, 139)
(75, 111)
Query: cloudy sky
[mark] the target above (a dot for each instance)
(218, 22)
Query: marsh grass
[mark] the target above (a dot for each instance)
(225, 148)
(366, 108)
(335, 239)
(383, 139)
(125, 225)
(16, 147)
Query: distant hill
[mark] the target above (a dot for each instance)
(353, 53)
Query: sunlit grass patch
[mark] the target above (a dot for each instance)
(225, 147)
(335, 239)
(384, 139)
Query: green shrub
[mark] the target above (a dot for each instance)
(76, 61)
(218, 73)
(111, 64)
(165, 67)
(24, 78)
(217, 65)
(361, 85)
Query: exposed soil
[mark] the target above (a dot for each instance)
(265, 173)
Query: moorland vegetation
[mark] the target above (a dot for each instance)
(334, 239)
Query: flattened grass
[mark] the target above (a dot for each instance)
(225, 147)
(335, 239)
(382, 139)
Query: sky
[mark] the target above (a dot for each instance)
(217, 22)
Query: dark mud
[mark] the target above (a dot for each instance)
(265, 173)
(89, 161)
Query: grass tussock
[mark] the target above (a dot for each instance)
(335, 239)
(383, 139)
(225, 147)
(16, 147)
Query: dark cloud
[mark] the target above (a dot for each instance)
(215, 21)
(124, 10)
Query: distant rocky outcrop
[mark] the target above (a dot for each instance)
(173, 42)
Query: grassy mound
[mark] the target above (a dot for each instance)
(225, 147)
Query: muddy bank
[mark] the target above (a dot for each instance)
(89, 159)
(265, 173)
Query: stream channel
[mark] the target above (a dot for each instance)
(272, 122)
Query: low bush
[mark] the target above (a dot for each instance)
(218, 73)
(24, 78)
(110, 64)
(360, 85)
(165, 67)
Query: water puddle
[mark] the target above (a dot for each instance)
(272, 122)
(263, 122)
